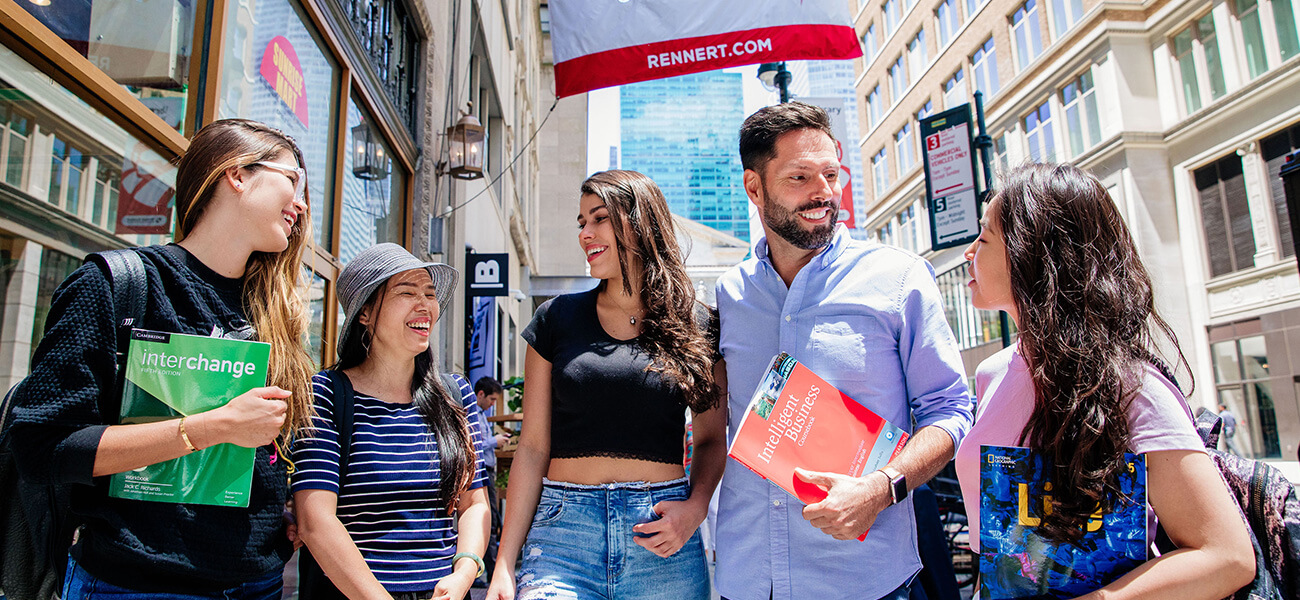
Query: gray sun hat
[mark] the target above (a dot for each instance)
(373, 266)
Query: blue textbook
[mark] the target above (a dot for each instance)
(1015, 562)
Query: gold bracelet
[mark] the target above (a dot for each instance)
(186, 438)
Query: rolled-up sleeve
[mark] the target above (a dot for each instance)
(936, 378)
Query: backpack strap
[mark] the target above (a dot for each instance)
(130, 286)
(344, 405)
(1208, 426)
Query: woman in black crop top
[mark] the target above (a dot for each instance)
(610, 374)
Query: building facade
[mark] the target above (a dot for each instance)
(1182, 108)
(683, 132)
(98, 99)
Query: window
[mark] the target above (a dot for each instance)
(1000, 160)
(891, 17)
(897, 81)
(1275, 148)
(954, 90)
(874, 107)
(905, 149)
(925, 110)
(916, 59)
(1024, 28)
(971, 327)
(1080, 105)
(15, 133)
(1284, 19)
(1225, 216)
(264, 28)
(984, 66)
(949, 22)
(907, 228)
(1065, 13)
(880, 171)
(869, 45)
(1196, 49)
(1252, 36)
(886, 233)
(1038, 131)
(372, 201)
(66, 168)
(389, 35)
(1241, 377)
(972, 7)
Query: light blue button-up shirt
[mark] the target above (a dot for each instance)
(868, 319)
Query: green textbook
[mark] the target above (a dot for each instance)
(170, 375)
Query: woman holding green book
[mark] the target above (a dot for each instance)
(391, 502)
(242, 224)
(1082, 386)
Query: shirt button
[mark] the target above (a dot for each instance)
(787, 318)
(776, 503)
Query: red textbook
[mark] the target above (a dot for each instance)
(796, 419)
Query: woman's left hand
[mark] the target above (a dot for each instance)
(454, 586)
(676, 524)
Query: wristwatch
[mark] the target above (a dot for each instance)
(897, 484)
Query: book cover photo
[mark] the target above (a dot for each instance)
(169, 375)
(1016, 562)
(796, 419)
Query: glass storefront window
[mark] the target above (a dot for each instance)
(276, 70)
(373, 187)
(143, 45)
(316, 314)
(59, 153)
(1241, 376)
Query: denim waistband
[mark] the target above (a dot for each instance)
(617, 485)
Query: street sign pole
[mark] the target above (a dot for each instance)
(984, 145)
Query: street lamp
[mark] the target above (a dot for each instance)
(775, 77)
(465, 156)
(368, 159)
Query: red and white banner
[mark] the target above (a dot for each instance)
(602, 43)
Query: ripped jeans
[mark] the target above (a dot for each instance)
(581, 546)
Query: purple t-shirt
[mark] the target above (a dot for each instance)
(1158, 419)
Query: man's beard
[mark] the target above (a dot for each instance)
(786, 223)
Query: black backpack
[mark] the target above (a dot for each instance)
(35, 521)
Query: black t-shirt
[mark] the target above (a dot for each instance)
(64, 405)
(603, 401)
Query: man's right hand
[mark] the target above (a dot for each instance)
(251, 419)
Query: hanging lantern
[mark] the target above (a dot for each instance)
(369, 161)
(465, 156)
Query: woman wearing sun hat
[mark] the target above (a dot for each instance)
(410, 519)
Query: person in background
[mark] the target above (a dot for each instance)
(488, 392)
(410, 519)
(1082, 385)
(234, 271)
(1229, 429)
(868, 319)
(598, 497)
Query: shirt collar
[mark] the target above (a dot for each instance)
(839, 241)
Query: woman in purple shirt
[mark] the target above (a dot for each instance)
(1079, 386)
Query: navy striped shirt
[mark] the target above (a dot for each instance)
(389, 502)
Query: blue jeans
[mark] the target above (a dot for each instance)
(581, 546)
(80, 585)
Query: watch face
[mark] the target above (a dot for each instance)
(899, 488)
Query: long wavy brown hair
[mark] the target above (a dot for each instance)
(682, 350)
(1088, 328)
(271, 279)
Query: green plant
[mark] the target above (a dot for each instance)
(514, 393)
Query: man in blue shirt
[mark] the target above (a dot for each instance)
(488, 391)
(868, 319)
